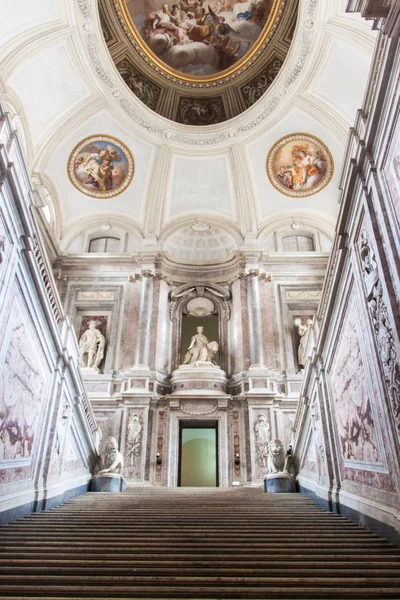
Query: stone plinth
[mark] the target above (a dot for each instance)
(280, 483)
(199, 378)
(108, 482)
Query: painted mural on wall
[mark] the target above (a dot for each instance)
(200, 37)
(354, 418)
(22, 385)
(147, 91)
(299, 165)
(101, 166)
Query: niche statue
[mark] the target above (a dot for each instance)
(200, 349)
(303, 330)
(91, 344)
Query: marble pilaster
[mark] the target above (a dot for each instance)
(144, 324)
(255, 322)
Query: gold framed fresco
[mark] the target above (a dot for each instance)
(225, 36)
(299, 165)
(101, 166)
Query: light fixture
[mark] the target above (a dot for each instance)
(158, 459)
(237, 459)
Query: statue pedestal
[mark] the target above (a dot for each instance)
(200, 377)
(279, 483)
(88, 371)
(108, 482)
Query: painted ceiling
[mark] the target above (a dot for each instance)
(198, 62)
(60, 78)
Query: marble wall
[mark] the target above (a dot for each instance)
(351, 388)
(46, 422)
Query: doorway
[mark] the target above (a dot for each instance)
(198, 454)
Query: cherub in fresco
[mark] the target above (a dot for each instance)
(98, 167)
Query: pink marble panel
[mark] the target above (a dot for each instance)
(270, 326)
(354, 419)
(22, 384)
(154, 323)
(392, 172)
(162, 424)
(235, 434)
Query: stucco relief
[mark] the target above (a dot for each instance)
(354, 419)
(134, 444)
(384, 336)
(262, 437)
(22, 385)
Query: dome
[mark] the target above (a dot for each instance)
(196, 244)
(198, 63)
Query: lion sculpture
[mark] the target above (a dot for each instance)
(276, 457)
(113, 460)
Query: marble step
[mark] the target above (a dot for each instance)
(332, 563)
(194, 544)
(193, 570)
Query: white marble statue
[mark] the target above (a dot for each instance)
(113, 460)
(200, 349)
(303, 333)
(134, 438)
(276, 457)
(92, 344)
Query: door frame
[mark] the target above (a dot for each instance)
(198, 424)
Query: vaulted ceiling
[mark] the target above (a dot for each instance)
(62, 85)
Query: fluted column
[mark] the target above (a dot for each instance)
(255, 323)
(144, 325)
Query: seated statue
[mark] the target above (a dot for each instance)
(113, 460)
(200, 349)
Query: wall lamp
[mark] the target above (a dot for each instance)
(237, 460)
(158, 459)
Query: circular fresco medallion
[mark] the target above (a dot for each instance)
(101, 166)
(299, 165)
(200, 40)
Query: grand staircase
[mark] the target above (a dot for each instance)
(194, 543)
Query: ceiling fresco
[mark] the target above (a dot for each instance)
(198, 62)
(201, 39)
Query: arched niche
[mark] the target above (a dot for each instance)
(212, 299)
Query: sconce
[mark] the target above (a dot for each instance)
(158, 459)
(237, 460)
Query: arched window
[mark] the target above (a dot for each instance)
(104, 244)
(298, 243)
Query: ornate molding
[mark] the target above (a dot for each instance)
(295, 63)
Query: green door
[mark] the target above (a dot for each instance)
(198, 456)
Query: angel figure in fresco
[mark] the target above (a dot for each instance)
(195, 36)
(305, 170)
(99, 165)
